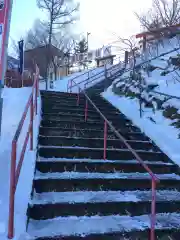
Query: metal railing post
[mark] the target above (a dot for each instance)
(31, 122)
(12, 191)
(86, 110)
(37, 85)
(78, 97)
(153, 210)
(71, 87)
(105, 139)
(36, 94)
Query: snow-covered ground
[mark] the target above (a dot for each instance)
(153, 122)
(164, 135)
(13, 107)
(80, 79)
(62, 84)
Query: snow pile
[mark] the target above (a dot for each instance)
(160, 114)
(13, 107)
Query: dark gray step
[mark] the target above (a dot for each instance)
(103, 166)
(72, 123)
(76, 123)
(67, 95)
(95, 153)
(76, 110)
(100, 184)
(50, 93)
(72, 99)
(53, 210)
(94, 143)
(74, 104)
(79, 122)
(89, 133)
(95, 117)
(163, 234)
(55, 116)
(82, 99)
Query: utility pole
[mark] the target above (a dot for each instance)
(5, 19)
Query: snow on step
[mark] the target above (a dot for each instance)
(96, 175)
(79, 160)
(82, 226)
(94, 138)
(101, 149)
(103, 196)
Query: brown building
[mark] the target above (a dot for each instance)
(40, 56)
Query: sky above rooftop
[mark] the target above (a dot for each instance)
(104, 19)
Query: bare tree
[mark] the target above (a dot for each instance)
(129, 45)
(163, 13)
(38, 36)
(60, 13)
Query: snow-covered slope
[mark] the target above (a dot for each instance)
(13, 108)
(160, 118)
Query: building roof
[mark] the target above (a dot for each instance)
(39, 56)
(159, 30)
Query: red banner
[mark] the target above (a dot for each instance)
(4, 22)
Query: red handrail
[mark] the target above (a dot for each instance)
(15, 171)
(154, 179)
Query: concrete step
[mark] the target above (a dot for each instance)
(163, 234)
(97, 153)
(101, 106)
(87, 165)
(103, 203)
(81, 111)
(79, 121)
(96, 117)
(115, 119)
(95, 143)
(72, 99)
(88, 133)
(126, 182)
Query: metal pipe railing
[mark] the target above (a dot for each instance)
(70, 83)
(154, 179)
(15, 171)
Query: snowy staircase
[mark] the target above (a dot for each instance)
(78, 195)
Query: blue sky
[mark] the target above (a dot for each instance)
(102, 18)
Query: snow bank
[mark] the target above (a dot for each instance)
(160, 131)
(13, 107)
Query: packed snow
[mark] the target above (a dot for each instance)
(13, 108)
(76, 160)
(96, 175)
(103, 196)
(82, 226)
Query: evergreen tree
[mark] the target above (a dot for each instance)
(81, 46)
